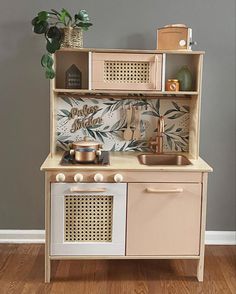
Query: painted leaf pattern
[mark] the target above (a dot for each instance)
(111, 131)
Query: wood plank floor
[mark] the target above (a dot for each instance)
(22, 271)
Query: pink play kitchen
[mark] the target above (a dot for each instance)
(123, 179)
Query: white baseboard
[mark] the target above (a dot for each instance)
(220, 238)
(22, 236)
(38, 236)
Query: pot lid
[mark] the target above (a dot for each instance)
(86, 143)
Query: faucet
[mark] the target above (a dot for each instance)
(157, 144)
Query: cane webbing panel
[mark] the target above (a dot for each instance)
(126, 72)
(88, 218)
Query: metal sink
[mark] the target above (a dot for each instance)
(163, 159)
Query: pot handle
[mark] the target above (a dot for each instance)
(99, 152)
(72, 152)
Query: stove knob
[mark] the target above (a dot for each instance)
(98, 177)
(78, 178)
(60, 177)
(118, 178)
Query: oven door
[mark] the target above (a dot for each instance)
(88, 219)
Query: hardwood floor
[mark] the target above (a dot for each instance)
(22, 271)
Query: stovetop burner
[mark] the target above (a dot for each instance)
(68, 159)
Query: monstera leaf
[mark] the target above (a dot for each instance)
(54, 33)
(53, 45)
(82, 16)
(65, 16)
(43, 15)
(39, 26)
(84, 25)
(49, 73)
(47, 61)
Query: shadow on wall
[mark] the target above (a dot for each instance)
(25, 108)
(134, 41)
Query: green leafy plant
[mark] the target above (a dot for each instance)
(49, 24)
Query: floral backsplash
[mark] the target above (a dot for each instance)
(105, 120)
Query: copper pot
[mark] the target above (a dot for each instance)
(86, 150)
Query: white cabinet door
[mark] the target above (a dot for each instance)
(88, 219)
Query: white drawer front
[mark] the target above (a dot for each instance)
(88, 219)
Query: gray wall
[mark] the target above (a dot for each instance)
(117, 24)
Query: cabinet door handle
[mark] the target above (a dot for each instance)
(78, 190)
(152, 190)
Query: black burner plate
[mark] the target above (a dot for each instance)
(68, 159)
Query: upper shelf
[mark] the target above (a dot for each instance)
(129, 94)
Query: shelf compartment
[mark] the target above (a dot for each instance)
(63, 60)
(175, 61)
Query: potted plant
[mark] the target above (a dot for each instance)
(60, 29)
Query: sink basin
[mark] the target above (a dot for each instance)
(163, 159)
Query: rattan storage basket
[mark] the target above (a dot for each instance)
(73, 38)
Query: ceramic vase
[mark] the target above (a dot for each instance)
(185, 78)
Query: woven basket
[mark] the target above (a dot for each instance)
(72, 38)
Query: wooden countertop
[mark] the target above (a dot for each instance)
(125, 161)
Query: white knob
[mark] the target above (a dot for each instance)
(98, 177)
(118, 178)
(60, 177)
(78, 178)
(182, 43)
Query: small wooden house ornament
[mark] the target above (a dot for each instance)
(73, 78)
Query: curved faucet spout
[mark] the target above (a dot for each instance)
(157, 145)
(161, 125)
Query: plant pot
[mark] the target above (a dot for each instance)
(72, 38)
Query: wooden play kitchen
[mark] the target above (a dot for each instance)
(126, 205)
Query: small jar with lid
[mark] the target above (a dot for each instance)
(172, 85)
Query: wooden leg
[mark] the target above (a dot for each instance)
(47, 269)
(200, 267)
(47, 229)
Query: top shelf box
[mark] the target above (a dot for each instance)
(125, 71)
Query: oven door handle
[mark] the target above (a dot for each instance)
(93, 190)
